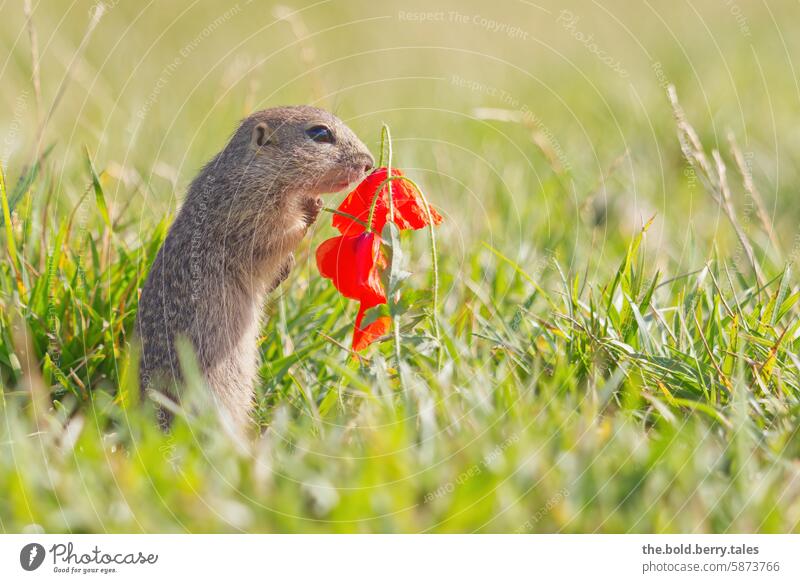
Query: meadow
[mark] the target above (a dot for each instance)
(612, 345)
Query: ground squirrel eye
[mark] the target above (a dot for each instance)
(320, 134)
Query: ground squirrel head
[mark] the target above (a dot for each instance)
(299, 150)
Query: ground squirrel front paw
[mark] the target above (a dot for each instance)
(283, 273)
(311, 209)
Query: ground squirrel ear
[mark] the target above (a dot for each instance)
(261, 135)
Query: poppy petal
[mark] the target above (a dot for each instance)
(359, 202)
(412, 215)
(327, 254)
(363, 337)
(409, 209)
(353, 264)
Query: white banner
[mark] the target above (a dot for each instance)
(400, 558)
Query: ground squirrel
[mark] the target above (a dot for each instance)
(231, 244)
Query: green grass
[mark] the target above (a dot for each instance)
(603, 371)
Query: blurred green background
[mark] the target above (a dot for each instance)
(575, 398)
(159, 87)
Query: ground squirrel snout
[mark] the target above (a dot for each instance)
(231, 244)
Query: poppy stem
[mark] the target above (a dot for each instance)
(374, 203)
(388, 135)
(432, 237)
(386, 155)
(346, 215)
(386, 138)
(434, 267)
(383, 145)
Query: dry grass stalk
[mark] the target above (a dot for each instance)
(727, 207)
(35, 76)
(752, 191)
(539, 137)
(714, 177)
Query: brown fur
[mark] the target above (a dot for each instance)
(231, 244)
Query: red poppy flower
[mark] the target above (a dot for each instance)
(354, 260)
(363, 337)
(409, 210)
(353, 264)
